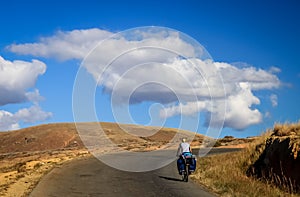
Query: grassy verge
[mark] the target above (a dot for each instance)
(223, 176)
(226, 175)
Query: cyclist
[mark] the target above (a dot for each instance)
(183, 149)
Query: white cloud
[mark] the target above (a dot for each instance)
(239, 112)
(63, 45)
(137, 67)
(9, 121)
(258, 79)
(16, 77)
(189, 108)
(32, 114)
(268, 114)
(274, 100)
(34, 96)
(274, 69)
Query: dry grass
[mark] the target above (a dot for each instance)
(226, 174)
(228, 141)
(223, 175)
(287, 129)
(20, 172)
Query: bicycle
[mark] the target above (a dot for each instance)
(189, 162)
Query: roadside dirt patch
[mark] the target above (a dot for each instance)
(20, 172)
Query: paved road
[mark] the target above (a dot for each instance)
(89, 177)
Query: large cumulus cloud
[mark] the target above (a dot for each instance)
(160, 66)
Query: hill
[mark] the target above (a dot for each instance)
(65, 136)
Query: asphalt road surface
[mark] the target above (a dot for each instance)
(89, 177)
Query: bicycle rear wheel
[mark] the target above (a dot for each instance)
(185, 174)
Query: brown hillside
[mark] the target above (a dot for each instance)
(65, 135)
(40, 138)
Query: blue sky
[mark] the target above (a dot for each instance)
(254, 34)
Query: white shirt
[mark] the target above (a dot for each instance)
(183, 147)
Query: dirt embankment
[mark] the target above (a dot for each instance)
(279, 161)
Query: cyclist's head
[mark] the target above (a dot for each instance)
(183, 139)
